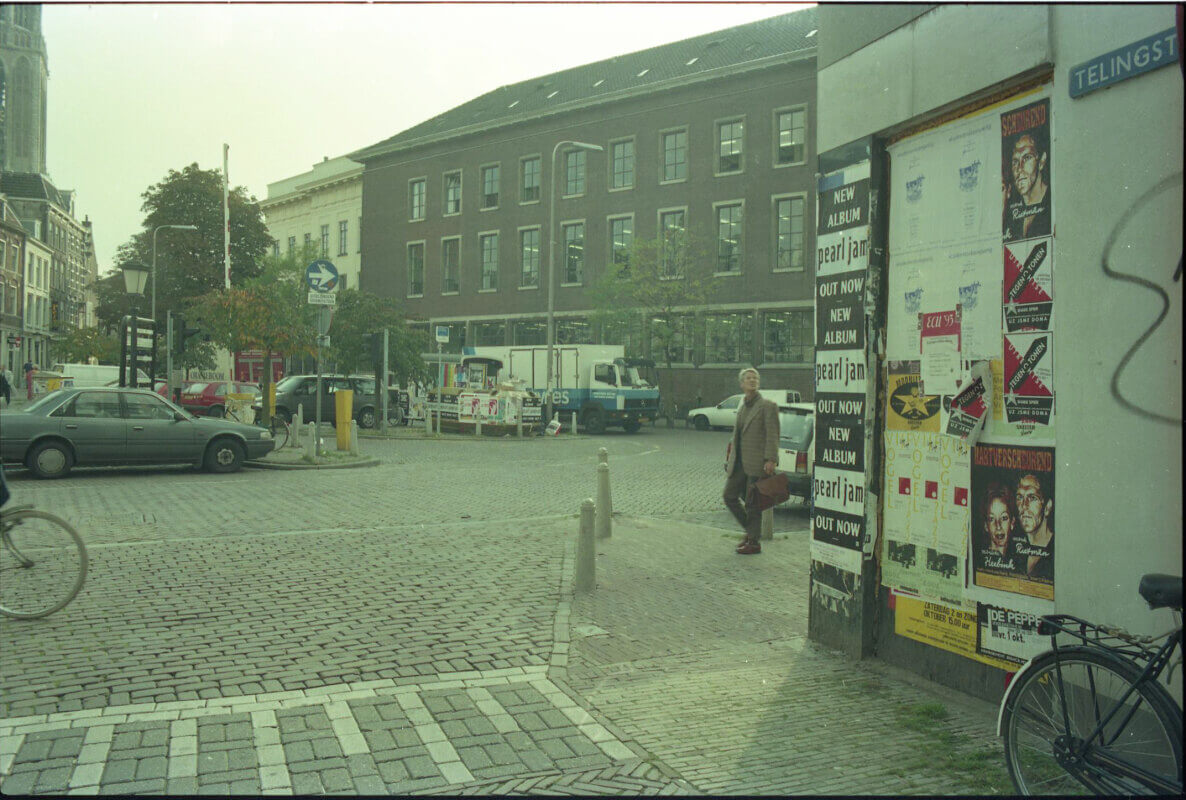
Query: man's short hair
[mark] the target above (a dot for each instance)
(741, 375)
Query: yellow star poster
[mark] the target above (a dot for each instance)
(909, 409)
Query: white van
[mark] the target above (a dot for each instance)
(95, 374)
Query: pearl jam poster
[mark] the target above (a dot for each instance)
(1012, 523)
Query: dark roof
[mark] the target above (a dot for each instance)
(727, 51)
(31, 186)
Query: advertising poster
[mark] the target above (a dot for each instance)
(835, 589)
(1012, 526)
(977, 290)
(1008, 634)
(969, 409)
(842, 239)
(939, 349)
(1028, 378)
(839, 312)
(1025, 172)
(1029, 285)
(909, 409)
(947, 628)
(840, 431)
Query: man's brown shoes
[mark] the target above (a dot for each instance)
(748, 548)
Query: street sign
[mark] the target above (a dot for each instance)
(443, 334)
(321, 275)
(15, 341)
(322, 299)
(323, 341)
(325, 315)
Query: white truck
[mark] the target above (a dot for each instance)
(593, 380)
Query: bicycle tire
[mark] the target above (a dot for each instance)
(1092, 682)
(42, 567)
(281, 432)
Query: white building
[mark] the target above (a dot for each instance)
(322, 207)
(36, 333)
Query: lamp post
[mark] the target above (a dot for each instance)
(552, 261)
(152, 313)
(135, 276)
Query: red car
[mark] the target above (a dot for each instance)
(209, 399)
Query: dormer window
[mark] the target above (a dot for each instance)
(599, 82)
(692, 61)
(644, 72)
(553, 94)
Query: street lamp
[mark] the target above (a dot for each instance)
(135, 276)
(552, 260)
(152, 313)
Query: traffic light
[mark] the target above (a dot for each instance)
(372, 344)
(182, 334)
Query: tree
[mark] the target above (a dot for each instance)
(82, 344)
(190, 263)
(359, 313)
(662, 281)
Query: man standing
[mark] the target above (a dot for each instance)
(753, 454)
(29, 370)
(1033, 515)
(5, 385)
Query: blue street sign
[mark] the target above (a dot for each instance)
(321, 275)
(1158, 50)
(442, 334)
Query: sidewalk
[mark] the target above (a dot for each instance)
(685, 671)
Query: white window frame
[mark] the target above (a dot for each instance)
(609, 175)
(563, 266)
(523, 159)
(716, 141)
(482, 186)
(806, 134)
(445, 192)
(424, 205)
(663, 155)
(519, 245)
(460, 247)
(609, 233)
(774, 199)
(423, 265)
(498, 264)
(661, 231)
(716, 224)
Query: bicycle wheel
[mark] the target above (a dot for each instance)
(1145, 733)
(280, 432)
(43, 563)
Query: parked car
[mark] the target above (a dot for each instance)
(209, 398)
(724, 414)
(110, 426)
(796, 452)
(301, 390)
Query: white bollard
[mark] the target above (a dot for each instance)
(311, 440)
(586, 568)
(574, 423)
(298, 423)
(603, 458)
(604, 523)
(519, 416)
(353, 437)
(478, 422)
(768, 523)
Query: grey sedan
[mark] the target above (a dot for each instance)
(101, 427)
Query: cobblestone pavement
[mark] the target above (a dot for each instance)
(411, 628)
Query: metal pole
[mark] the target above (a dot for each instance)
(154, 233)
(135, 346)
(317, 419)
(383, 418)
(551, 275)
(123, 355)
(169, 354)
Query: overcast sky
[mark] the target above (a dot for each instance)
(138, 89)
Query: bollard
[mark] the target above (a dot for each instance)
(311, 441)
(519, 416)
(604, 509)
(586, 571)
(298, 423)
(353, 437)
(478, 421)
(603, 458)
(768, 523)
(574, 423)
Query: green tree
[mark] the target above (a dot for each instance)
(80, 345)
(359, 313)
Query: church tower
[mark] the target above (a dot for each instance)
(24, 74)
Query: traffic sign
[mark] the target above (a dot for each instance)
(322, 299)
(15, 341)
(443, 334)
(321, 275)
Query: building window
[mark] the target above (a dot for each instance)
(490, 186)
(529, 332)
(529, 180)
(622, 165)
(529, 256)
(574, 331)
(788, 244)
(729, 146)
(621, 235)
(450, 266)
(342, 237)
(453, 192)
(729, 238)
(728, 338)
(574, 252)
(675, 155)
(324, 241)
(791, 143)
(626, 332)
(417, 198)
(672, 226)
(488, 244)
(787, 336)
(416, 269)
(672, 341)
(574, 173)
(276, 248)
(360, 234)
(291, 245)
(490, 334)
(308, 239)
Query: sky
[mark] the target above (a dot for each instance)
(137, 89)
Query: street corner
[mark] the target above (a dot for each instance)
(293, 458)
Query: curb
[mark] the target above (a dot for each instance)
(370, 462)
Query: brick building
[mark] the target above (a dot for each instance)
(712, 134)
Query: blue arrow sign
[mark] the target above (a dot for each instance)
(321, 275)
